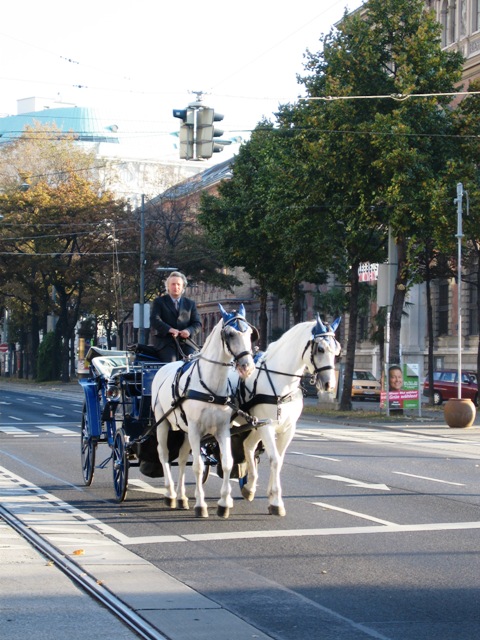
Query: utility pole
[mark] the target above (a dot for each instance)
(459, 236)
(141, 326)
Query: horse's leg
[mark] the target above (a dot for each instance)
(201, 510)
(249, 446)
(276, 506)
(162, 448)
(275, 502)
(182, 463)
(224, 442)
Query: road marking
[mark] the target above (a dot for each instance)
(15, 418)
(411, 475)
(330, 507)
(59, 431)
(357, 483)
(38, 509)
(54, 415)
(141, 485)
(312, 455)
(16, 432)
(13, 431)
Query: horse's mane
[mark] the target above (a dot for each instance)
(301, 331)
(212, 336)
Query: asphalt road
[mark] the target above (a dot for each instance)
(381, 537)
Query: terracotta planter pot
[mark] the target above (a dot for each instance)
(459, 413)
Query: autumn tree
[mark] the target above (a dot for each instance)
(51, 248)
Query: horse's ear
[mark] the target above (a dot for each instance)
(225, 315)
(241, 311)
(319, 328)
(335, 324)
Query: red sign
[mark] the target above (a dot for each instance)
(3, 347)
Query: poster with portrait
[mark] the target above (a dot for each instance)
(402, 383)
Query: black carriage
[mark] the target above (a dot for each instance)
(117, 412)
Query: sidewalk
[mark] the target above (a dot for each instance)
(37, 600)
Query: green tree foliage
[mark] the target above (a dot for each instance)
(357, 157)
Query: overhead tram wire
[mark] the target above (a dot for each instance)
(391, 96)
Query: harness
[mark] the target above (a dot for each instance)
(274, 398)
(208, 395)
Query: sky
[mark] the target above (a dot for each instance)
(140, 60)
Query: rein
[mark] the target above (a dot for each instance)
(276, 399)
(210, 397)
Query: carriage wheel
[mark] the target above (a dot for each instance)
(88, 450)
(120, 466)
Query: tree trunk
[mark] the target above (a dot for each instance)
(397, 305)
(297, 306)
(263, 319)
(346, 399)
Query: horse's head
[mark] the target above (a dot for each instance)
(237, 336)
(320, 353)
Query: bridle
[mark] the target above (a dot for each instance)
(274, 398)
(236, 319)
(315, 348)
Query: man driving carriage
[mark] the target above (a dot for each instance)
(174, 319)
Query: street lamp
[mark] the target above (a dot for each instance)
(459, 237)
(141, 327)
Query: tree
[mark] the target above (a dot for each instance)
(382, 155)
(50, 226)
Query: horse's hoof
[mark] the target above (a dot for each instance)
(201, 512)
(247, 494)
(183, 504)
(223, 512)
(171, 503)
(273, 510)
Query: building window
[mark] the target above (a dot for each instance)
(452, 11)
(476, 15)
(363, 327)
(472, 310)
(444, 22)
(442, 318)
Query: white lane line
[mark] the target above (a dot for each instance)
(411, 475)
(312, 455)
(15, 418)
(141, 485)
(24, 499)
(364, 516)
(357, 483)
(342, 531)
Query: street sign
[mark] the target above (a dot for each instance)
(3, 347)
(368, 272)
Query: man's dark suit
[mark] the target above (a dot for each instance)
(164, 316)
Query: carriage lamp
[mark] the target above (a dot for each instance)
(113, 392)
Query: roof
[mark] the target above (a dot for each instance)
(198, 182)
(83, 122)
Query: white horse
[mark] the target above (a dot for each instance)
(273, 394)
(194, 397)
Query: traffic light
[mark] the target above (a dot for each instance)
(186, 135)
(206, 133)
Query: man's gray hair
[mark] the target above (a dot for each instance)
(177, 274)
